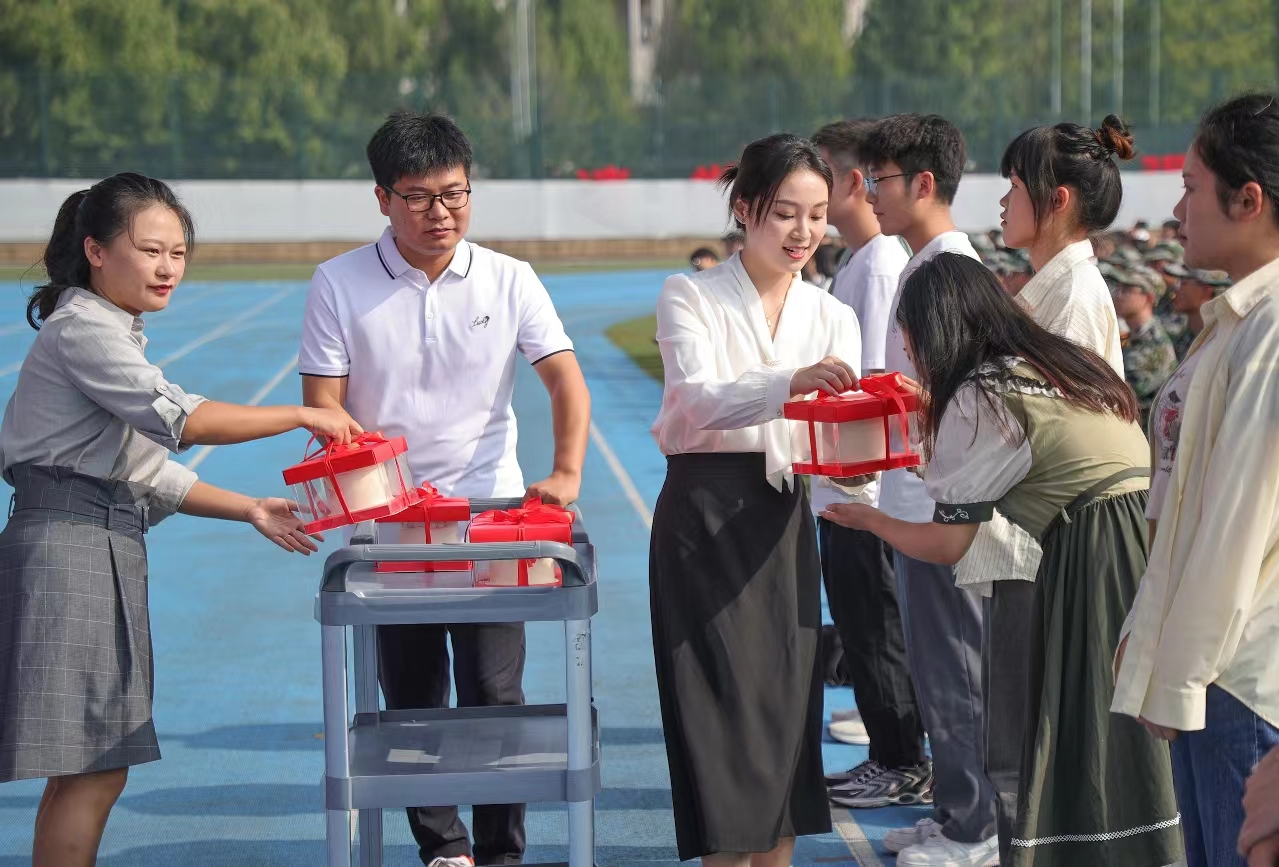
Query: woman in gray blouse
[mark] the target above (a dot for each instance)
(85, 442)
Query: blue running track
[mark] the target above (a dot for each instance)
(237, 701)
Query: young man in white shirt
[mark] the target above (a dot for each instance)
(857, 567)
(914, 163)
(417, 335)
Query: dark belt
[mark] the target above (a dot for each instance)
(1094, 493)
(80, 499)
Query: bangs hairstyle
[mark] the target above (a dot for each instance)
(412, 144)
(1070, 155)
(959, 318)
(920, 143)
(844, 142)
(1238, 141)
(764, 166)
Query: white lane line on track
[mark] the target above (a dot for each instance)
(623, 477)
(16, 327)
(855, 838)
(226, 327)
(260, 395)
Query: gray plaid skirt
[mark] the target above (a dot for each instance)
(75, 639)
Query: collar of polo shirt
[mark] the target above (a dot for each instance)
(397, 266)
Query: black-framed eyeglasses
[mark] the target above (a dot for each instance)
(416, 202)
(872, 184)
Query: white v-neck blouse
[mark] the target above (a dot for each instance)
(726, 377)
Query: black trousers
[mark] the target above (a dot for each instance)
(1007, 614)
(488, 668)
(857, 569)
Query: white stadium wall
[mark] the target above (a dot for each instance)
(551, 210)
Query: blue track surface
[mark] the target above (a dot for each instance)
(237, 652)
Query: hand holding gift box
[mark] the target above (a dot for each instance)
(857, 433)
(533, 522)
(365, 479)
(433, 520)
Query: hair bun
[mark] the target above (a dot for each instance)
(1114, 138)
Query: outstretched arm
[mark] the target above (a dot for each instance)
(932, 542)
(273, 517)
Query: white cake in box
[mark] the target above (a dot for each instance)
(850, 442)
(506, 573)
(409, 533)
(365, 488)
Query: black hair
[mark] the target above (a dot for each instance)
(1238, 141)
(958, 318)
(764, 166)
(101, 212)
(1172, 224)
(920, 143)
(844, 141)
(1070, 155)
(702, 253)
(416, 144)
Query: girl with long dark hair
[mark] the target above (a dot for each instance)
(734, 576)
(1198, 662)
(1018, 418)
(85, 443)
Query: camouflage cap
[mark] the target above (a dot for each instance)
(1218, 280)
(1161, 254)
(1177, 269)
(1143, 278)
(981, 242)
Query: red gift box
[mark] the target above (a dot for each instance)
(535, 521)
(415, 528)
(366, 479)
(859, 432)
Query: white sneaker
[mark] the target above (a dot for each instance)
(846, 726)
(455, 861)
(903, 838)
(941, 851)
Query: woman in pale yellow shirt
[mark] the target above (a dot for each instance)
(1199, 658)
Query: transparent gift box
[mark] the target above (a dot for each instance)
(859, 432)
(363, 480)
(532, 522)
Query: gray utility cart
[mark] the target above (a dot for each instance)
(487, 755)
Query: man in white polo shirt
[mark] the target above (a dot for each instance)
(417, 336)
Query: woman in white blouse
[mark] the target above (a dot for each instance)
(1064, 185)
(85, 442)
(1020, 419)
(1200, 659)
(734, 576)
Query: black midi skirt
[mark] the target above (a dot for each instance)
(735, 595)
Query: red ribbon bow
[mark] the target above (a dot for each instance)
(538, 513)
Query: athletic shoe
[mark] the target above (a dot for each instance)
(455, 861)
(883, 787)
(846, 726)
(851, 774)
(941, 851)
(903, 838)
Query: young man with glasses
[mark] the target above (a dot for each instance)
(416, 335)
(913, 166)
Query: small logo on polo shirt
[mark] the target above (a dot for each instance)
(480, 321)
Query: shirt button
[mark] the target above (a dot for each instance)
(430, 316)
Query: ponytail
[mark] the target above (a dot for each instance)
(101, 212)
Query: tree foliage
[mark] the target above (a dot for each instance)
(293, 88)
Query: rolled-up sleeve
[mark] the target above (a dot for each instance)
(108, 366)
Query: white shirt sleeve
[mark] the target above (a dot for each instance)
(323, 351)
(980, 453)
(541, 332)
(687, 344)
(873, 311)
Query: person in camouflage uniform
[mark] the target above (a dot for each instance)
(1194, 289)
(1149, 357)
